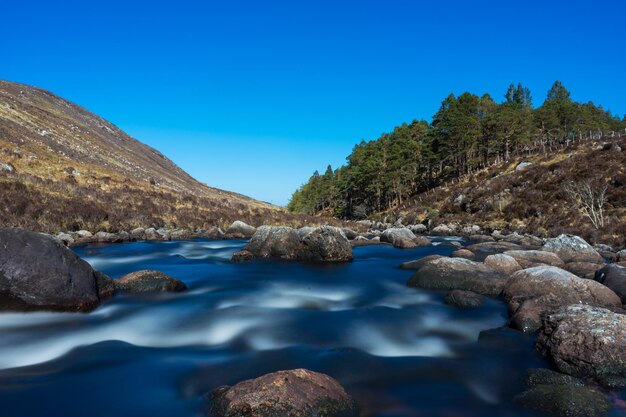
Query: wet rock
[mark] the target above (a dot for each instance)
(417, 264)
(502, 263)
(40, 273)
(565, 401)
(457, 273)
(531, 258)
(464, 299)
(572, 248)
(532, 293)
(149, 281)
(614, 277)
(585, 270)
(585, 341)
(294, 393)
(543, 376)
(399, 237)
(241, 228)
(463, 253)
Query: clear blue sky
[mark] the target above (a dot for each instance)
(254, 96)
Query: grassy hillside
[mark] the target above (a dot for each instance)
(64, 168)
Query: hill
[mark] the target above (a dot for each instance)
(64, 168)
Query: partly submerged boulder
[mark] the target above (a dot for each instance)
(294, 393)
(38, 272)
(149, 281)
(458, 274)
(572, 248)
(585, 341)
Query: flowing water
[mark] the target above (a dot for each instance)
(398, 351)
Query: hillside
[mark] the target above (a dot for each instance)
(64, 168)
(534, 198)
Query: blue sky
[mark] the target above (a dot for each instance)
(254, 96)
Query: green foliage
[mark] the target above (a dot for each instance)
(467, 133)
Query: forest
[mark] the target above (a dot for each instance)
(468, 133)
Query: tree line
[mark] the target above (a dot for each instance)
(466, 134)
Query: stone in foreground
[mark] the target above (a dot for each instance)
(565, 401)
(37, 272)
(149, 281)
(294, 393)
(585, 341)
(458, 274)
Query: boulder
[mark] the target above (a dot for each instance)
(565, 401)
(417, 264)
(458, 274)
(502, 263)
(149, 281)
(325, 244)
(37, 272)
(572, 248)
(531, 258)
(294, 393)
(534, 292)
(463, 253)
(241, 228)
(614, 277)
(585, 341)
(399, 237)
(585, 270)
(464, 299)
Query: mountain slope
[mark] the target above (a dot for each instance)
(64, 168)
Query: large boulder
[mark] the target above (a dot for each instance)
(502, 263)
(458, 274)
(149, 281)
(572, 248)
(240, 228)
(585, 341)
(534, 292)
(324, 244)
(399, 237)
(37, 272)
(531, 258)
(294, 393)
(614, 277)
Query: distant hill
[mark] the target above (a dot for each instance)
(64, 168)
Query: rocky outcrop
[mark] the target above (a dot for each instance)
(458, 274)
(502, 263)
(532, 293)
(572, 248)
(294, 393)
(240, 228)
(38, 272)
(464, 299)
(531, 258)
(149, 281)
(614, 277)
(321, 244)
(585, 341)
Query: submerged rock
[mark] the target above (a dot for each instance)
(149, 281)
(572, 248)
(565, 401)
(464, 299)
(585, 341)
(38, 272)
(534, 292)
(294, 393)
(458, 274)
